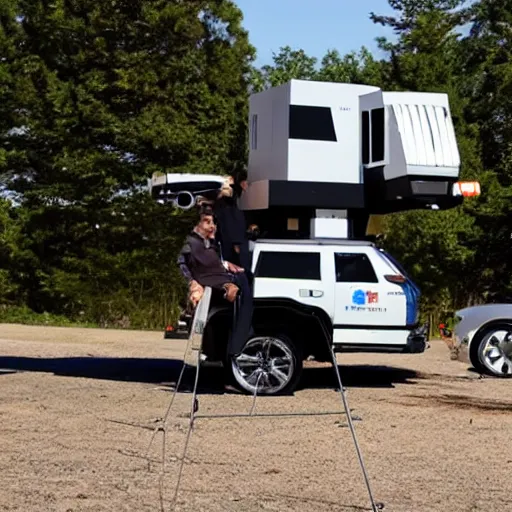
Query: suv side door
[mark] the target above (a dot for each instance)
(296, 273)
(364, 298)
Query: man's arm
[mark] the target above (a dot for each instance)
(183, 263)
(195, 290)
(231, 267)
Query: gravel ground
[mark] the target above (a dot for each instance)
(78, 408)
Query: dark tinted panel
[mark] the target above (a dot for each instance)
(311, 123)
(378, 135)
(354, 268)
(365, 137)
(254, 132)
(289, 265)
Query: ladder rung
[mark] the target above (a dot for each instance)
(268, 415)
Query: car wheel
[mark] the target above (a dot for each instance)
(267, 365)
(491, 350)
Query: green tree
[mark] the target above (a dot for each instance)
(487, 85)
(353, 68)
(10, 241)
(438, 247)
(288, 64)
(98, 96)
(488, 50)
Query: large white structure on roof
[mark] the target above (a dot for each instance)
(343, 135)
(324, 156)
(347, 148)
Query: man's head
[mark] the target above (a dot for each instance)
(241, 182)
(227, 187)
(240, 176)
(206, 226)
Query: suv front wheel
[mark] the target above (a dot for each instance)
(267, 365)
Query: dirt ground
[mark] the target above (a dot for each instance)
(78, 408)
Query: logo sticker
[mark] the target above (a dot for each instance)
(365, 301)
(360, 297)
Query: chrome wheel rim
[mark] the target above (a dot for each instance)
(265, 365)
(496, 353)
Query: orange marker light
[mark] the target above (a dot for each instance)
(467, 189)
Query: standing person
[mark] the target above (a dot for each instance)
(232, 230)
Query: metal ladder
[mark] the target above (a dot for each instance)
(192, 358)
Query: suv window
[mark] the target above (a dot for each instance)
(289, 265)
(354, 268)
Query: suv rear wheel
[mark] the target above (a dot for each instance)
(268, 365)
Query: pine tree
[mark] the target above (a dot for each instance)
(98, 96)
(488, 87)
(438, 247)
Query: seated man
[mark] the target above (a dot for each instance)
(202, 265)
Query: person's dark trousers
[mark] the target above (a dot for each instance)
(244, 256)
(242, 317)
(250, 279)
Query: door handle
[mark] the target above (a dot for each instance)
(315, 294)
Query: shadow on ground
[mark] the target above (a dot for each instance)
(463, 402)
(166, 372)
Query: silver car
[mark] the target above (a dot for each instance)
(482, 336)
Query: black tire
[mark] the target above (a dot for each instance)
(478, 344)
(265, 371)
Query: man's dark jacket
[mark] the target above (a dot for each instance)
(200, 260)
(232, 231)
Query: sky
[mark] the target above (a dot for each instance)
(312, 25)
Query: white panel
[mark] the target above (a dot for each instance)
(309, 92)
(369, 337)
(329, 228)
(322, 161)
(329, 162)
(269, 159)
(188, 178)
(397, 166)
(399, 115)
(453, 142)
(280, 129)
(439, 150)
(443, 134)
(411, 153)
(427, 134)
(417, 133)
(371, 100)
(430, 155)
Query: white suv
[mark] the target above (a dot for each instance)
(310, 295)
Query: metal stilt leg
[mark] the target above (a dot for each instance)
(194, 343)
(196, 340)
(193, 410)
(375, 507)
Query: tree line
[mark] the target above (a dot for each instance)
(96, 96)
